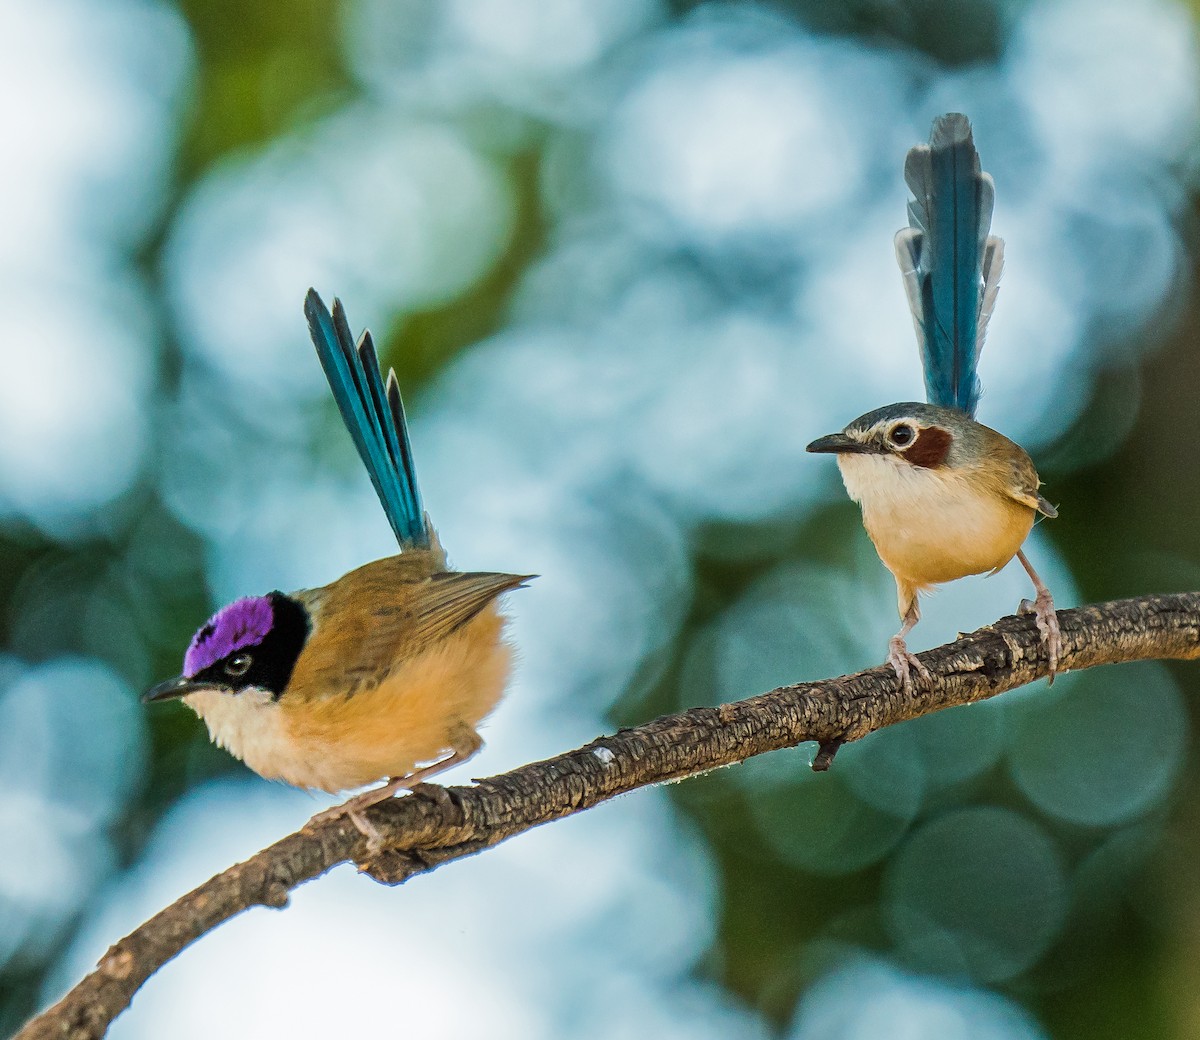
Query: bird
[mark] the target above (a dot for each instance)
(383, 674)
(942, 495)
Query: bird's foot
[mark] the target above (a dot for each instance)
(354, 810)
(1046, 618)
(905, 663)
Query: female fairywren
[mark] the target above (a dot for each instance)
(942, 495)
(386, 672)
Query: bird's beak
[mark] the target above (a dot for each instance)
(172, 688)
(840, 444)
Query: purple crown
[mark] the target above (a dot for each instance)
(245, 622)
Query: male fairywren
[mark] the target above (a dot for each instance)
(384, 673)
(942, 495)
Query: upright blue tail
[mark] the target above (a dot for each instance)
(951, 265)
(374, 416)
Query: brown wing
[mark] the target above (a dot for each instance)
(388, 611)
(1024, 489)
(449, 600)
(1015, 475)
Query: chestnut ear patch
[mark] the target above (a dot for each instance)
(930, 448)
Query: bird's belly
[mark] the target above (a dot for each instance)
(425, 709)
(929, 528)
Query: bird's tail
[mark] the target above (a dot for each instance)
(950, 263)
(374, 415)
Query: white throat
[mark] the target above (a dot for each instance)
(246, 724)
(884, 481)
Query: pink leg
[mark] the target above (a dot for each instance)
(1042, 609)
(898, 656)
(467, 744)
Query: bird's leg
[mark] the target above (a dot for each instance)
(899, 657)
(466, 743)
(1042, 609)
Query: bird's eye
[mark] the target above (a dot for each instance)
(902, 435)
(238, 665)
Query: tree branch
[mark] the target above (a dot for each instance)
(435, 825)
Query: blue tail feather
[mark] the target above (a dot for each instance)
(942, 253)
(395, 426)
(404, 448)
(376, 426)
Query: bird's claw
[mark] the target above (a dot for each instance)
(367, 829)
(352, 811)
(904, 663)
(1046, 619)
(355, 808)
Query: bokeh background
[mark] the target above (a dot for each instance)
(628, 257)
